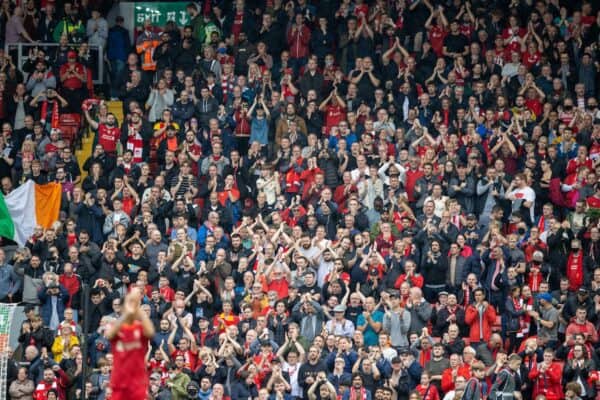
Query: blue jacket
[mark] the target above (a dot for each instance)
(90, 219)
(10, 282)
(241, 391)
(46, 304)
(118, 43)
(349, 358)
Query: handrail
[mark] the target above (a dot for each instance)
(22, 57)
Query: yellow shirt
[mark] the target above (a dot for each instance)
(58, 347)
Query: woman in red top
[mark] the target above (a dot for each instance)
(426, 389)
(229, 192)
(465, 250)
(410, 276)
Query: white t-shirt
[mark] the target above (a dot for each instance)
(521, 195)
(292, 370)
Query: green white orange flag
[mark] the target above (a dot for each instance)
(26, 207)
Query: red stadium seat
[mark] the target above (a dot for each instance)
(497, 324)
(69, 125)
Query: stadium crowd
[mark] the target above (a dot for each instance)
(321, 200)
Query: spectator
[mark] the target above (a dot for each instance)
(11, 282)
(21, 388)
(53, 299)
(15, 31)
(70, 26)
(52, 386)
(289, 179)
(97, 30)
(72, 77)
(160, 98)
(145, 45)
(546, 376)
(64, 343)
(480, 316)
(118, 45)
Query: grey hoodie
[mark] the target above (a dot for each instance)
(397, 326)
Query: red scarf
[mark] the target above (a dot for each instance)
(135, 142)
(424, 357)
(535, 278)
(363, 393)
(575, 270)
(456, 221)
(467, 297)
(452, 310)
(541, 224)
(517, 304)
(55, 117)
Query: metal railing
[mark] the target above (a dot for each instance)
(22, 53)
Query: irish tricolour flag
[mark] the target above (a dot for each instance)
(26, 207)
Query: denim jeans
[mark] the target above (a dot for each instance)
(116, 68)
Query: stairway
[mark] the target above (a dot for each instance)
(87, 142)
(116, 107)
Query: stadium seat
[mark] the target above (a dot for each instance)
(69, 125)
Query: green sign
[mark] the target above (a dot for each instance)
(160, 13)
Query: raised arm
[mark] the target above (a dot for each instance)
(339, 99)
(93, 124)
(324, 103)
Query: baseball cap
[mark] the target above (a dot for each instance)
(545, 296)
(71, 54)
(155, 375)
(538, 256)
(339, 308)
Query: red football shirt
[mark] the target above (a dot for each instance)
(129, 348)
(437, 34)
(334, 115)
(72, 82)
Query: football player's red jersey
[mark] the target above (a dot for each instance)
(129, 378)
